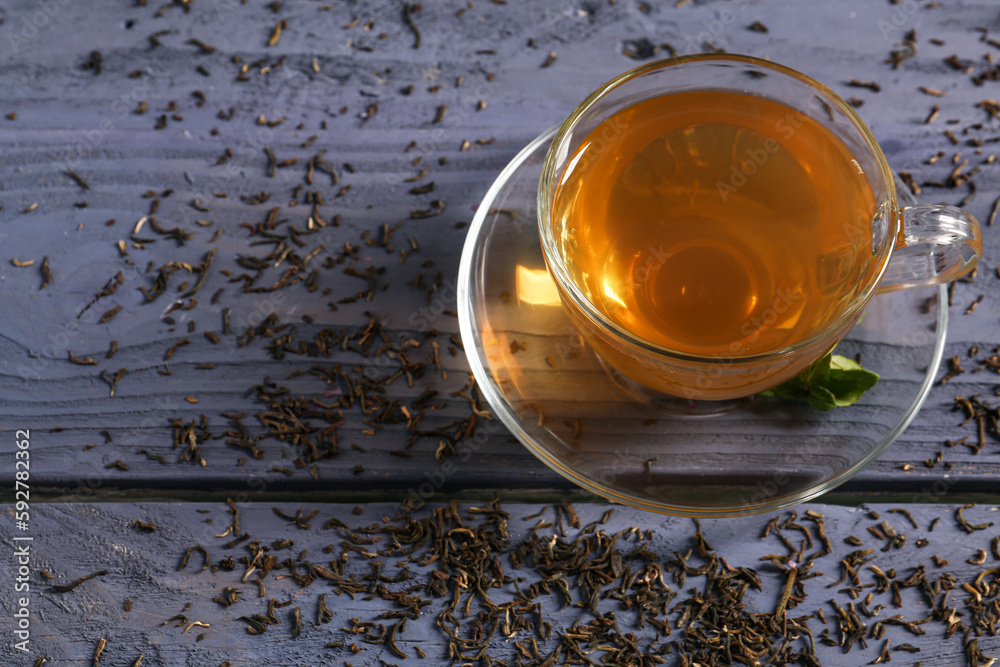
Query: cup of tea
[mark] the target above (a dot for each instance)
(716, 223)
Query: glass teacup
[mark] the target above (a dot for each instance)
(714, 224)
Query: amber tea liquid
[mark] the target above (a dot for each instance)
(715, 223)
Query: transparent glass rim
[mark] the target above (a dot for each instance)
(505, 413)
(557, 268)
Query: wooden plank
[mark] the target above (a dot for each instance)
(73, 540)
(70, 116)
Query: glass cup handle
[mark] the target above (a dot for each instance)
(938, 244)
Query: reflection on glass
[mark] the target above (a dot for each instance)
(534, 286)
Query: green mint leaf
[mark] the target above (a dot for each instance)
(817, 374)
(793, 389)
(833, 381)
(822, 398)
(837, 362)
(848, 380)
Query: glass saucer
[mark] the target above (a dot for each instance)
(550, 390)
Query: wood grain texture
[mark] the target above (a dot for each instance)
(72, 540)
(68, 116)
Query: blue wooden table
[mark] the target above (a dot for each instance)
(148, 153)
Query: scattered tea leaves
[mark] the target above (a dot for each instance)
(46, 272)
(964, 523)
(408, 10)
(66, 588)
